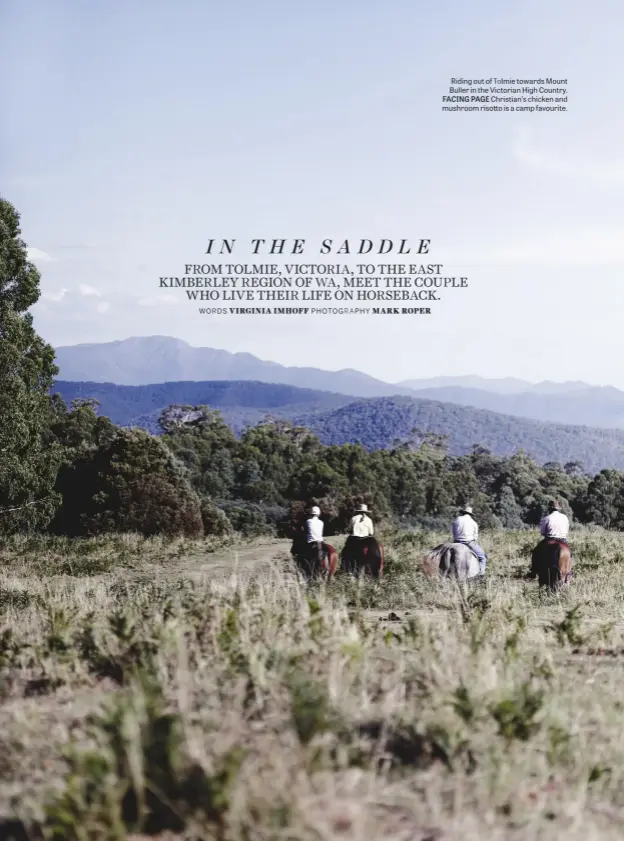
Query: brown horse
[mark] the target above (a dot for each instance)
(551, 562)
(308, 562)
(363, 555)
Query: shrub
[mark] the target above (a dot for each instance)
(129, 481)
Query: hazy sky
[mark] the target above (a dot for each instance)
(134, 131)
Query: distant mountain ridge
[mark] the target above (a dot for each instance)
(158, 359)
(374, 422)
(598, 406)
(505, 385)
(241, 403)
(162, 359)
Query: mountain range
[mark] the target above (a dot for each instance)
(158, 359)
(241, 404)
(505, 385)
(162, 359)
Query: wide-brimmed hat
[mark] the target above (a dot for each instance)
(553, 505)
(466, 509)
(361, 509)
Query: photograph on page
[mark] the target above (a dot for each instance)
(311, 420)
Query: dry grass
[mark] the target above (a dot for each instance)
(196, 691)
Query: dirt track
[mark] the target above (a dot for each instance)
(247, 560)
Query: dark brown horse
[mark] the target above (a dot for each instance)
(363, 555)
(551, 562)
(306, 558)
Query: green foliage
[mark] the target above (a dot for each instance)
(247, 518)
(28, 457)
(214, 520)
(517, 715)
(198, 476)
(311, 711)
(139, 777)
(115, 479)
(378, 422)
(568, 631)
(243, 403)
(275, 465)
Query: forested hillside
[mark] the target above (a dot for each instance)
(338, 419)
(242, 403)
(377, 423)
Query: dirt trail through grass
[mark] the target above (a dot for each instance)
(246, 560)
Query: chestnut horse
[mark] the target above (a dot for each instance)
(551, 562)
(307, 559)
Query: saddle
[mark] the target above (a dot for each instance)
(468, 546)
(550, 543)
(356, 544)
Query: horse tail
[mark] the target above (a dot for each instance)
(553, 571)
(375, 553)
(565, 562)
(330, 561)
(433, 559)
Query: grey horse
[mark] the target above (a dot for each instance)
(451, 559)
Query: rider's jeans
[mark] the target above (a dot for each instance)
(478, 552)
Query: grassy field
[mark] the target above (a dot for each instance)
(202, 691)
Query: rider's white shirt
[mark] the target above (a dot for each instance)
(555, 525)
(314, 530)
(361, 526)
(465, 528)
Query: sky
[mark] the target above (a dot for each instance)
(134, 132)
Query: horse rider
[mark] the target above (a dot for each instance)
(466, 530)
(314, 533)
(360, 528)
(361, 525)
(553, 526)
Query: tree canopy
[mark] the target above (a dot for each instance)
(29, 458)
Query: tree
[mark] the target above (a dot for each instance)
(214, 520)
(127, 481)
(201, 439)
(604, 500)
(29, 458)
(508, 510)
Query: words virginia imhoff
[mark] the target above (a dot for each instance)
(343, 284)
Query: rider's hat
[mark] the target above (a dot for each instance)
(466, 509)
(361, 509)
(553, 505)
(315, 511)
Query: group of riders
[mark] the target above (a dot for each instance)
(554, 528)
(360, 531)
